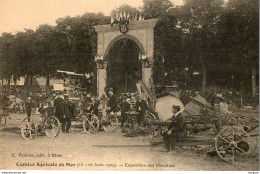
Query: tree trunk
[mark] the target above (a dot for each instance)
(47, 82)
(31, 82)
(8, 84)
(204, 78)
(26, 83)
(15, 81)
(126, 81)
(233, 81)
(253, 82)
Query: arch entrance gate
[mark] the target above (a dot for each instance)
(141, 32)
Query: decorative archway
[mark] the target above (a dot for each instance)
(123, 36)
(141, 32)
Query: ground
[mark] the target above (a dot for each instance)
(81, 151)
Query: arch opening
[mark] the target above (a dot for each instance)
(120, 37)
(124, 67)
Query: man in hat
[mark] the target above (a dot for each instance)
(112, 102)
(93, 108)
(66, 122)
(59, 106)
(28, 107)
(176, 129)
(125, 107)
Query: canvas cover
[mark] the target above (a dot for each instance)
(164, 106)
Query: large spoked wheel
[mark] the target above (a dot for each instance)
(28, 129)
(233, 144)
(152, 132)
(128, 128)
(251, 127)
(52, 127)
(150, 128)
(3, 120)
(90, 123)
(110, 124)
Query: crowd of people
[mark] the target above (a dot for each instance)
(60, 105)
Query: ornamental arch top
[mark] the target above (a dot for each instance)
(141, 32)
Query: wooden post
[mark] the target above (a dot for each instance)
(204, 78)
(253, 82)
(47, 82)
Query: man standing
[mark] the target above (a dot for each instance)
(141, 108)
(176, 129)
(112, 102)
(66, 122)
(59, 105)
(28, 108)
(125, 107)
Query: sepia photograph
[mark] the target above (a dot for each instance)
(140, 85)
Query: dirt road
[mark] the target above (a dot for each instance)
(80, 151)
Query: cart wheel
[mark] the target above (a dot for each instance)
(28, 129)
(90, 123)
(3, 120)
(150, 133)
(128, 129)
(52, 127)
(110, 125)
(156, 138)
(254, 141)
(233, 144)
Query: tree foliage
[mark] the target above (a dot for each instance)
(209, 36)
(156, 8)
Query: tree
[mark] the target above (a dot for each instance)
(45, 52)
(156, 8)
(168, 39)
(199, 24)
(76, 42)
(238, 30)
(25, 52)
(7, 57)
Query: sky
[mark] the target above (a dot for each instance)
(15, 15)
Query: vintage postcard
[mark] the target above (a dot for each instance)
(140, 85)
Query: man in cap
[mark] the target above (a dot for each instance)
(176, 129)
(28, 107)
(66, 122)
